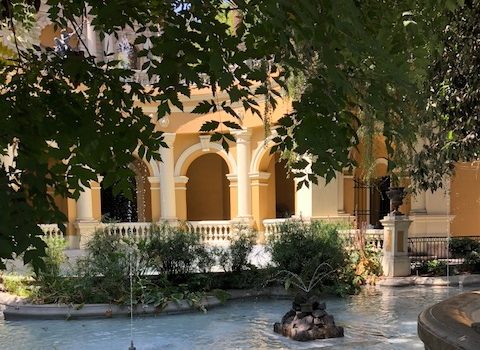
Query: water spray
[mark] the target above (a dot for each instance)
(132, 347)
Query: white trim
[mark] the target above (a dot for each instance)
(259, 153)
(214, 148)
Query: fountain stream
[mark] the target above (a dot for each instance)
(132, 346)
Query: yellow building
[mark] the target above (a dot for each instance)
(198, 181)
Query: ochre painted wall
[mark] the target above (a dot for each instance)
(348, 195)
(465, 200)
(208, 194)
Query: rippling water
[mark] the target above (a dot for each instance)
(378, 318)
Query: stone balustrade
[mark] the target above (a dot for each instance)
(132, 230)
(212, 231)
(51, 230)
(272, 226)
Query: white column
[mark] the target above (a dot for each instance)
(85, 224)
(85, 206)
(91, 38)
(304, 200)
(304, 196)
(395, 260)
(244, 195)
(108, 47)
(167, 189)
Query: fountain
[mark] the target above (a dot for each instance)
(307, 319)
(132, 346)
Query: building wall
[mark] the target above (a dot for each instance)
(465, 200)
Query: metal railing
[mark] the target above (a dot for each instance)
(423, 249)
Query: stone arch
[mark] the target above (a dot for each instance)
(197, 150)
(259, 162)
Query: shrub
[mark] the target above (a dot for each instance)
(174, 251)
(472, 261)
(18, 285)
(301, 247)
(460, 247)
(235, 256)
(365, 260)
(48, 281)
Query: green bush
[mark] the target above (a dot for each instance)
(460, 247)
(472, 261)
(174, 251)
(18, 285)
(235, 256)
(301, 247)
(48, 281)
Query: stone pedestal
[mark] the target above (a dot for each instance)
(395, 260)
(85, 230)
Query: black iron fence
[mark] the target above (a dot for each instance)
(452, 250)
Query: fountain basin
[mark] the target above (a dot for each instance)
(378, 318)
(452, 324)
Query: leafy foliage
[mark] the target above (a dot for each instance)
(452, 124)
(235, 256)
(365, 260)
(169, 266)
(301, 248)
(173, 251)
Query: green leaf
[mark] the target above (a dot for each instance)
(209, 126)
(203, 107)
(232, 125)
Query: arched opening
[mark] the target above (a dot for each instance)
(119, 208)
(208, 191)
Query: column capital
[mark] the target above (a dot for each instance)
(154, 180)
(242, 135)
(181, 179)
(232, 177)
(169, 138)
(260, 176)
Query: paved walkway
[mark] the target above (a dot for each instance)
(454, 281)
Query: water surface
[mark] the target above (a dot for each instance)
(377, 318)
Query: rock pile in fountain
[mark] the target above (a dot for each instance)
(308, 321)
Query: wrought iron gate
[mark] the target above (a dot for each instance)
(371, 203)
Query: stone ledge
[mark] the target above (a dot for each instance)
(454, 281)
(448, 324)
(15, 308)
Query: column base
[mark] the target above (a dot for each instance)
(85, 231)
(396, 266)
